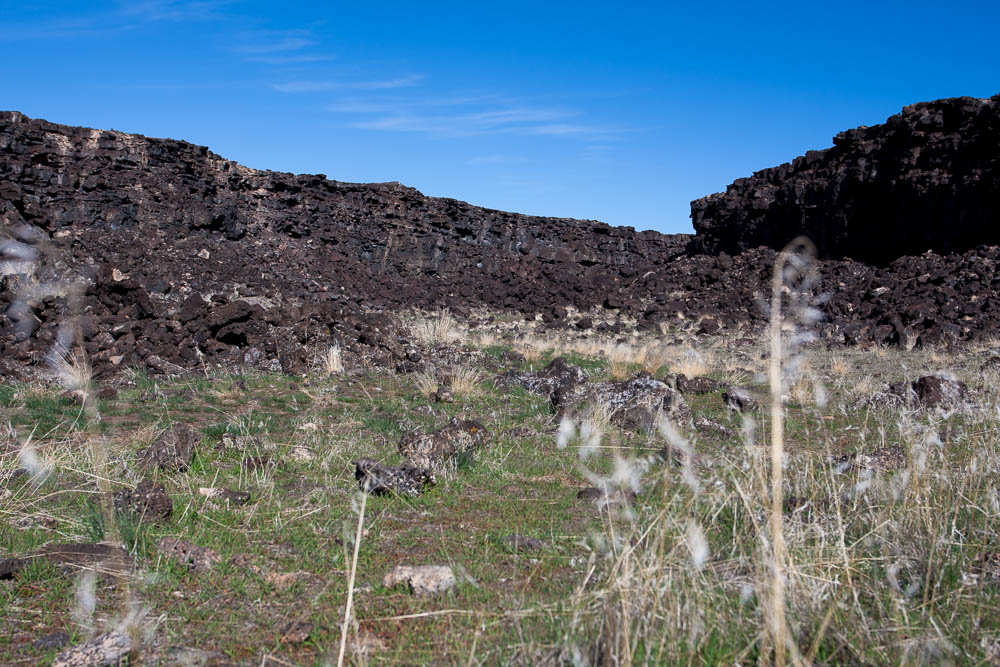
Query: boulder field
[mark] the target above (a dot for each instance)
(160, 253)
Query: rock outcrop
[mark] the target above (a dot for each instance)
(926, 179)
(160, 254)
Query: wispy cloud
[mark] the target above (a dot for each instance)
(324, 86)
(173, 10)
(469, 114)
(517, 121)
(280, 46)
(300, 59)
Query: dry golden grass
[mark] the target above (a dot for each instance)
(466, 380)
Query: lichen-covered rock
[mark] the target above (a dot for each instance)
(633, 404)
(421, 579)
(172, 450)
(196, 558)
(436, 451)
(148, 502)
(404, 480)
(107, 650)
(557, 376)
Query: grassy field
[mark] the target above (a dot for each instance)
(890, 559)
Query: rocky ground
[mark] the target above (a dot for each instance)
(160, 254)
(506, 481)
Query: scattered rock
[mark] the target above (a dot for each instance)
(51, 641)
(632, 405)
(302, 454)
(558, 374)
(438, 450)
(607, 498)
(172, 450)
(421, 579)
(739, 400)
(198, 559)
(697, 385)
(295, 632)
(517, 543)
(147, 503)
(404, 480)
(885, 459)
(105, 650)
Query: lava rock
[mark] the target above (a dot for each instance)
(438, 450)
(105, 650)
(172, 450)
(404, 480)
(147, 503)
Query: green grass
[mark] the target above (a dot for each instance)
(514, 606)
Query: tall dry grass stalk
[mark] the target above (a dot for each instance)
(350, 583)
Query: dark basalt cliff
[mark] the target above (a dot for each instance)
(926, 179)
(159, 253)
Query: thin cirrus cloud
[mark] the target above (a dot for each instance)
(277, 46)
(324, 86)
(467, 115)
(515, 120)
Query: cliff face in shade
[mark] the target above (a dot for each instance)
(926, 179)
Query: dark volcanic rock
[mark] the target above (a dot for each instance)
(179, 259)
(928, 178)
(931, 392)
(404, 480)
(172, 450)
(147, 503)
(436, 451)
(153, 226)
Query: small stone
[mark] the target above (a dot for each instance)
(53, 640)
(104, 650)
(516, 543)
(147, 503)
(204, 253)
(295, 632)
(421, 579)
(404, 480)
(199, 559)
(172, 450)
(738, 400)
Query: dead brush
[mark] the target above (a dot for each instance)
(430, 330)
(332, 361)
(466, 380)
(692, 363)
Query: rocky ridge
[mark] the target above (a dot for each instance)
(159, 253)
(926, 179)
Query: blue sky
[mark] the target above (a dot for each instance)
(622, 114)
